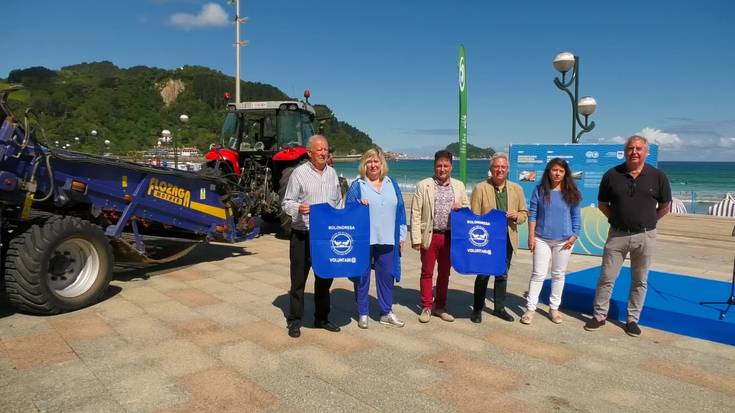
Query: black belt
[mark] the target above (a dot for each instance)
(440, 231)
(300, 231)
(632, 231)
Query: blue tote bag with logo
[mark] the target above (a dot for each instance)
(339, 240)
(479, 242)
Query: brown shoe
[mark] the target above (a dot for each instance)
(443, 314)
(425, 315)
(555, 316)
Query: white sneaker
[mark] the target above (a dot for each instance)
(391, 319)
(362, 322)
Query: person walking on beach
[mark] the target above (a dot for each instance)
(633, 196)
(434, 198)
(310, 183)
(381, 194)
(554, 219)
(498, 193)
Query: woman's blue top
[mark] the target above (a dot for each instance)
(387, 214)
(556, 220)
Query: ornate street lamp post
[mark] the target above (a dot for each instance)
(97, 148)
(184, 119)
(564, 62)
(166, 137)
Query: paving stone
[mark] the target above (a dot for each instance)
(167, 283)
(81, 325)
(117, 308)
(19, 325)
(63, 386)
(226, 314)
(37, 350)
(342, 342)
(267, 335)
(106, 351)
(236, 297)
(205, 267)
(143, 330)
(402, 339)
(170, 311)
(223, 390)
(189, 357)
(259, 288)
(532, 346)
(249, 358)
(143, 295)
(252, 261)
(193, 297)
(459, 341)
(211, 286)
(479, 381)
(229, 276)
(691, 374)
(190, 274)
(145, 389)
(322, 363)
(206, 333)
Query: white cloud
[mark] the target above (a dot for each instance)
(660, 137)
(726, 142)
(212, 14)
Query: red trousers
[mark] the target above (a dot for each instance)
(438, 252)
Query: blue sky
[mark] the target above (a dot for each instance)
(661, 68)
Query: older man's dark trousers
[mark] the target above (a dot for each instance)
(300, 266)
(500, 286)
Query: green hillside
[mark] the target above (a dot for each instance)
(473, 152)
(126, 106)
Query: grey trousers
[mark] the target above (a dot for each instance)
(618, 246)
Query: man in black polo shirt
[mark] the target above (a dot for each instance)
(633, 196)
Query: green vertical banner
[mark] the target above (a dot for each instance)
(462, 64)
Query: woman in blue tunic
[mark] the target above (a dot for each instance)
(553, 227)
(381, 194)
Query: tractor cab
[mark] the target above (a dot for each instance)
(267, 126)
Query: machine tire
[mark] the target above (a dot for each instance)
(40, 259)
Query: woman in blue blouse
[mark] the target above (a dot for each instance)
(553, 226)
(387, 234)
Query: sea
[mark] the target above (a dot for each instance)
(697, 184)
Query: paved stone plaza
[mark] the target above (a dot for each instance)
(208, 334)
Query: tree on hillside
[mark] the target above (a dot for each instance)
(473, 151)
(125, 106)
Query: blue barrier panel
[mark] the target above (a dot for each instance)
(672, 302)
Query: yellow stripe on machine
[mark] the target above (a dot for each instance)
(208, 209)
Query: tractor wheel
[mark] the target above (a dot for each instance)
(63, 265)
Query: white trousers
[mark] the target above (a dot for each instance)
(548, 251)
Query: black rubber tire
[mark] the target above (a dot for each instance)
(27, 279)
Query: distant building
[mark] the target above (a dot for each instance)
(395, 156)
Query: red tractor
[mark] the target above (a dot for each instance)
(260, 145)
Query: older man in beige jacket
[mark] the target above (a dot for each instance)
(498, 193)
(433, 200)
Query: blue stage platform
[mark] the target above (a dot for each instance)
(672, 302)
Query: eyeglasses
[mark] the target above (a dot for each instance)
(631, 188)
